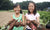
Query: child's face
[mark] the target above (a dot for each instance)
(17, 9)
(31, 7)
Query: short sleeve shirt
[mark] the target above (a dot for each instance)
(31, 17)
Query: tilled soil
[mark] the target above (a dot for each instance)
(5, 17)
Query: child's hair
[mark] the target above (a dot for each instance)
(34, 12)
(15, 5)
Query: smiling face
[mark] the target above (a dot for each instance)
(17, 9)
(31, 7)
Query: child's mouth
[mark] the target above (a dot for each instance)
(17, 11)
(30, 10)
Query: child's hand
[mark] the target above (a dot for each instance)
(38, 24)
(17, 24)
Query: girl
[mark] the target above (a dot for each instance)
(18, 16)
(32, 15)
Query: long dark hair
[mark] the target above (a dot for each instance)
(15, 5)
(34, 12)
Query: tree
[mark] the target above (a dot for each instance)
(5, 4)
(39, 6)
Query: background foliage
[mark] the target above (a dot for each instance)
(7, 4)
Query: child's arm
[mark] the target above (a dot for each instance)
(11, 17)
(12, 25)
(23, 19)
(38, 20)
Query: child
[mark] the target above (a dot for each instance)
(32, 15)
(17, 16)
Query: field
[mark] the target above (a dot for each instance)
(5, 17)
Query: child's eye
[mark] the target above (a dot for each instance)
(30, 6)
(18, 8)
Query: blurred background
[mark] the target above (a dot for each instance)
(6, 10)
